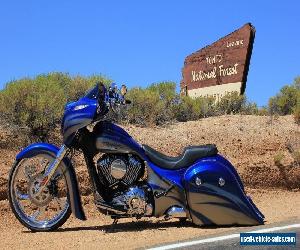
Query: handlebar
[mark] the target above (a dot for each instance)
(110, 100)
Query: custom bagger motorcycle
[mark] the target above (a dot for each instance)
(127, 179)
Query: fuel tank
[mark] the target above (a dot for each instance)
(111, 138)
(215, 195)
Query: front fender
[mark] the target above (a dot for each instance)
(68, 171)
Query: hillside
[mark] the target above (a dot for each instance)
(250, 142)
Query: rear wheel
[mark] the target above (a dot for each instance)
(43, 211)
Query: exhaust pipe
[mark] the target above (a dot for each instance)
(175, 212)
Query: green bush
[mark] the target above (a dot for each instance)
(285, 101)
(297, 111)
(263, 111)
(193, 109)
(152, 105)
(231, 103)
(186, 109)
(78, 86)
(167, 99)
(159, 103)
(278, 158)
(37, 103)
(146, 107)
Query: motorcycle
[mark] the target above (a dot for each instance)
(127, 179)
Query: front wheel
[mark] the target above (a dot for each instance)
(47, 210)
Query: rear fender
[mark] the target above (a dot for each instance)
(68, 171)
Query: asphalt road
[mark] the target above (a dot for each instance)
(232, 241)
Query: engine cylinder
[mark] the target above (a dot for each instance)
(119, 168)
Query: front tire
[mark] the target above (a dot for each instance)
(46, 211)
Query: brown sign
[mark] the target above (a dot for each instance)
(221, 67)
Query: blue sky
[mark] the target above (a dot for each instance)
(141, 42)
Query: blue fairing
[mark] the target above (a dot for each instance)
(76, 116)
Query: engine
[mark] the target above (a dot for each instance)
(119, 170)
(122, 175)
(135, 201)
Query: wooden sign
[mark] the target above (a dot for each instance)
(220, 67)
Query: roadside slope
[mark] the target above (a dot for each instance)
(249, 142)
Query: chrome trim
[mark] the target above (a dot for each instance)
(175, 212)
(198, 181)
(135, 198)
(149, 210)
(118, 168)
(221, 182)
(49, 172)
(108, 208)
(36, 216)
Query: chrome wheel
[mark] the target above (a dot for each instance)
(38, 211)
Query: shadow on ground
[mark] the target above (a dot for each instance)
(138, 227)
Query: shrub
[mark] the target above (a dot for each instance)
(263, 111)
(296, 156)
(38, 103)
(76, 87)
(166, 90)
(145, 108)
(193, 109)
(285, 101)
(250, 108)
(167, 99)
(231, 103)
(159, 103)
(278, 159)
(152, 105)
(297, 110)
(187, 109)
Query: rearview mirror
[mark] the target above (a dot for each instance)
(123, 90)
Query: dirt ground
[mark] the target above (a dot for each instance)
(97, 232)
(251, 143)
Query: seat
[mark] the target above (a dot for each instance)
(187, 158)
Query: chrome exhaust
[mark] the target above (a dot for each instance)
(175, 212)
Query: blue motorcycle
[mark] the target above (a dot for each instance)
(127, 179)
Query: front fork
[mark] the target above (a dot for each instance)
(50, 170)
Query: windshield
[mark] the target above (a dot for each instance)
(92, 93)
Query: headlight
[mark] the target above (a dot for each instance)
(80, 107)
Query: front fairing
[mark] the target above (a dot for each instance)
(78, 115)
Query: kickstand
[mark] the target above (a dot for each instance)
(115, 221)
(112, 226)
